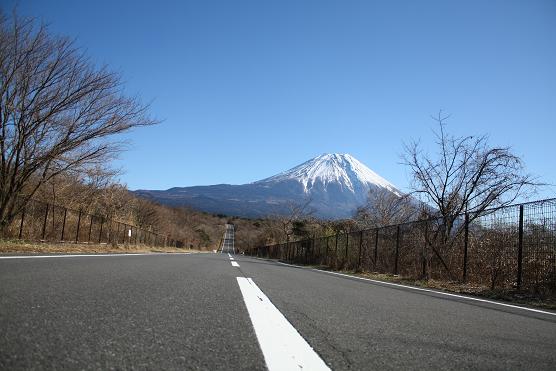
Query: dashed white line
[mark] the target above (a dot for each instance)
(282, 346)
(235, 264)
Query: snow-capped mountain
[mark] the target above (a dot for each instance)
(336, 184)
(335, 169)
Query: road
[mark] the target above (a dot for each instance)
(199, 311)
(228, 241)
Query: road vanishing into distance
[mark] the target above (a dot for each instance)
(218, 311)
(228, 241)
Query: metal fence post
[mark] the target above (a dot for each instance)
(424, 257)
(90, 229)
(520, 249)
(44, 224)
(376, 249)
(326, 251)
(397, 250)
(78, 225)
(360, 246)
(110, 240)
(117, 233)
(64, 224)
(465, 246)
(100, 233)
(346, 253)
(336, 251)
(21, 224)
(312, 249)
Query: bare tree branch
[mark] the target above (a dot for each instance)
(467, 176)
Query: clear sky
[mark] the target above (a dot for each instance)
(247, 89)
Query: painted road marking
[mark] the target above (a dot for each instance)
(235, 264)
(282, 346)
(427, 290)
(86, 255)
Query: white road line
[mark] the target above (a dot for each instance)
(427, 290)
(235, 264)
(85, 255)
(282, 346)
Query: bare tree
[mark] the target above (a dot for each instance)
(58, 112)
(385, 208)
(298, 211)
(468, 176)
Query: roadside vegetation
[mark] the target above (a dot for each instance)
(63, 120)
(18, 246)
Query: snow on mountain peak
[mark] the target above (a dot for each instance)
(338, 168)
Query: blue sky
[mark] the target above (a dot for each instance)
(247, 89)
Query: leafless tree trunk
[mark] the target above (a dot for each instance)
(58, 112)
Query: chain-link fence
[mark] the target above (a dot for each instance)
(508, 247)
(41, 221)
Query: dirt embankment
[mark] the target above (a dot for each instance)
(22, 247)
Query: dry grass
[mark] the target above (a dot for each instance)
(24, 247)
(541, 300)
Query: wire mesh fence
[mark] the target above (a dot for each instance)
(45, 222)
(508, 247)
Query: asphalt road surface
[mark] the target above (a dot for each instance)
(199, 311)
(228, 241)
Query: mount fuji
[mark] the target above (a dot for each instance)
(335, 184)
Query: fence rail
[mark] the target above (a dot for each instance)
(47, 222)
(508, 247)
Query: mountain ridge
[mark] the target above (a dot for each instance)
(335, 183)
